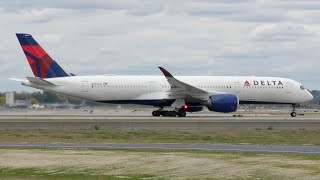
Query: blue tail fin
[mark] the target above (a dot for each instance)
(41, 63)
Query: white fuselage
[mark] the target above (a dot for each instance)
(135, 89)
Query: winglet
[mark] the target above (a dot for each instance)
(165, 72)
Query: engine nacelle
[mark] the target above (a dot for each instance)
(223, 103)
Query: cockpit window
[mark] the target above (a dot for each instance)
(302, 88)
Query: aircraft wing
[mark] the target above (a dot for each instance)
(183, 90)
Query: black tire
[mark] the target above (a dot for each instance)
(293, 114)
(173, 113)
(182, 113)
(156, 113)
(165, 113)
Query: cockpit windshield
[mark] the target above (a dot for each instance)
(302, 88)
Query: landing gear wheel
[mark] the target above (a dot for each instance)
(293, 114)
(182, 113)
(172, 113)
(156, 113)
(164, 113)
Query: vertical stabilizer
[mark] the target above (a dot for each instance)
(42, 65)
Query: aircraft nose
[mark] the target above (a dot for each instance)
(310, 96)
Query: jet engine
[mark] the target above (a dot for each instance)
(223, 103)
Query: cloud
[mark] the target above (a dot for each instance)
(295, 67)
(136, 7)
(281, 32)
(265, 38)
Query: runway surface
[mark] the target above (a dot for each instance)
(128, 120)
(277, 149)
(139, 121)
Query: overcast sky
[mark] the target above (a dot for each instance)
(222, 37)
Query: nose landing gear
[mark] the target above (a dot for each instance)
(293, 113)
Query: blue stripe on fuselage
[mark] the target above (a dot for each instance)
(153, 102)
(168, 102)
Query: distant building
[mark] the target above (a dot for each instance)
(9, 98)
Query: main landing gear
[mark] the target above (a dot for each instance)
(293, 113)
(174, 113)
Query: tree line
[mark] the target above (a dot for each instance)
(40, 97)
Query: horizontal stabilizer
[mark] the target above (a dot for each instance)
(16, 79)
(39, 81)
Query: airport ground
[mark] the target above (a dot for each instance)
(153, 164)
(140, 119)
(158, 157)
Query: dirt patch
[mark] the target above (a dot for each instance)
(176, 165)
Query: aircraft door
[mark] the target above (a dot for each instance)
(152, 86)
(84, 86)
(289, 87)
(237, 87)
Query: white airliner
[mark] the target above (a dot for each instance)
(179, 94)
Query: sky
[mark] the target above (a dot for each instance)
(133, 37)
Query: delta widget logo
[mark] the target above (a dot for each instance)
(263, 83)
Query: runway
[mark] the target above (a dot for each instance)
(129, 120)
(136, 120)
(276, 149)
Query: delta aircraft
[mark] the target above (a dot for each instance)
(174, 96)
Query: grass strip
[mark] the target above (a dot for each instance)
(263, 137)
